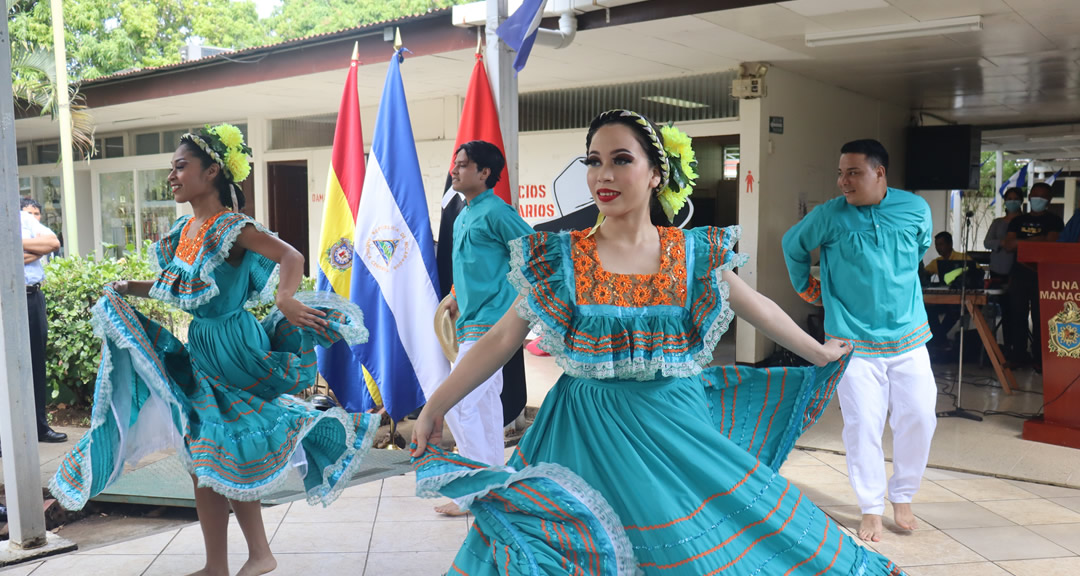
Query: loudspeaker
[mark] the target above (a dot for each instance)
(943, 157)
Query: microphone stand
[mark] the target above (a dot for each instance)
(960, 412)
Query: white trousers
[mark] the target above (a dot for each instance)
(477, 421)
(903, 388)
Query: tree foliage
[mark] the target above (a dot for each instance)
(106, 36)
(103, 37)
(298, 18)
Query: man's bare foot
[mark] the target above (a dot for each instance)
(870, 528)
(256, 566)
(450, 509)
(904, 517)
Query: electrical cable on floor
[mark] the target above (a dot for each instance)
(950, 384)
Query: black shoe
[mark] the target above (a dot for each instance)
(51, 436)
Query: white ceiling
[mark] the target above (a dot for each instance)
(1023, 67)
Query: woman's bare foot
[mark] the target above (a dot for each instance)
(450, 509)
(256, 566)
(207, 571)
(904, 517)
(870, 529)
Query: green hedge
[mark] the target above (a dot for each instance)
(72, 286)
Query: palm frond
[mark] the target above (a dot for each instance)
(34, 81)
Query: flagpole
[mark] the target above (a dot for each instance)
(999, 158)
(504, 86)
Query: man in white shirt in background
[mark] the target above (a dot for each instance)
(38, 242)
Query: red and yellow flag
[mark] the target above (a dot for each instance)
(344, 184)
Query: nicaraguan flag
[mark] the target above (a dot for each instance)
(1050, 181)
(1018, 179)
(394, 274)
(519, 30)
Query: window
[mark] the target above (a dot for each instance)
(23, 154)
(171, 138)
(680, 99)
(147, 144)
(48, 153)
(117, 212)
(158, 209)
(731, 162)
(114, 147)
(303, 132)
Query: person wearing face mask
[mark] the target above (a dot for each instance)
(1038, 225)
(1002, 261)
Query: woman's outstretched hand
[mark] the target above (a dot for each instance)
(428, 429)
(835, 350)
(120, 286)
(300, 315)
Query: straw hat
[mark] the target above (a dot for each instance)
(446, 329)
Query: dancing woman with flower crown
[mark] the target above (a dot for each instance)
(224, 401)
(640, 458)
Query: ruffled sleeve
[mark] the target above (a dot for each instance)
(190, 284)
(537, 271)
(713, 251)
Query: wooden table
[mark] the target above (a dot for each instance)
(974, 301)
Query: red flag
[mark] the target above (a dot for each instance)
(480, 121)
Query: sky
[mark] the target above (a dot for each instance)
(265, 6)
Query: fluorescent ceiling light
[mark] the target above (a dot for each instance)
(674, 102)
(914, 30)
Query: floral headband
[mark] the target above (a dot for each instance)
(677, 162)
(224, 144)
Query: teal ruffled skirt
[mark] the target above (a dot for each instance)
(673, 476)
(224, 402)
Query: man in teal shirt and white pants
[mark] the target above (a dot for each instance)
(872, 241)
(481, 261)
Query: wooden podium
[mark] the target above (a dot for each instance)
(1059, 310)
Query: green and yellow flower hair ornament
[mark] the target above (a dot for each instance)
(225, 145)
(681, 173)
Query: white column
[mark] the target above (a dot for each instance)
(999, 204)
(18, 428)
(1070, 197)
(71, 222)
(504, 86)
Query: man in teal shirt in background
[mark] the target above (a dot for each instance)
(872, 242)
(482, 293)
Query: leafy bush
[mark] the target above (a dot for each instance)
(72, 286)
(306, 285)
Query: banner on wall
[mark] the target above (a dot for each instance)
(567, 204)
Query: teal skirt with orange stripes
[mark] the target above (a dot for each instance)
(224, 402)
(670, 477)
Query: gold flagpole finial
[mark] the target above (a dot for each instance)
(479, 40)
(397, 39)
(356, 52)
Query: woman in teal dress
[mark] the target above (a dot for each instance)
(641, 460)
(224, 401)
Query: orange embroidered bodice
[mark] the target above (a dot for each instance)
(188, 248)
(594, 285)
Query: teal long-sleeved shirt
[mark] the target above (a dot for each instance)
(870, 258)
(482, 261)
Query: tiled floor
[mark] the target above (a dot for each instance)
(969, 525)
(986, 524)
